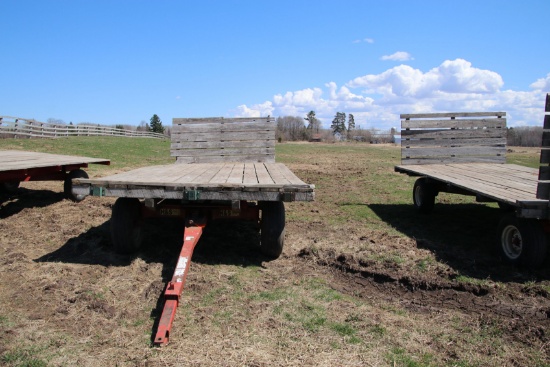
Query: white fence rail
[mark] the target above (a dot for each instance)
(15, 127)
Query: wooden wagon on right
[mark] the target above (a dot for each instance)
(465, 153)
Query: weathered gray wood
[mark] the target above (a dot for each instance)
(229, 158)
(19, 160)
(454, 134)
(487, 180)
(450, 114)
(453, 142)
(232, 159)
(224, 144)
(223, 140)
(221, 126)
(467, 159)
(463, 151)
(223, 136)
(156, 181)
(457, 123)
(453, 137)
(222, 152)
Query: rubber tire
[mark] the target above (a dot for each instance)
(272, 229)
(68, 185)
(521, 241)
(9, 187)
(424, 195)
(126, 233)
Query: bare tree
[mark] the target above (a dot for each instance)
(290, 128)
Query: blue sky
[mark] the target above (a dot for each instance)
(120, 62)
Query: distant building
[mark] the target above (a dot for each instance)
(315, 138)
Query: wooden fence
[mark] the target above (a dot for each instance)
(15, 127)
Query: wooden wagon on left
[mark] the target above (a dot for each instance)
(20, 166)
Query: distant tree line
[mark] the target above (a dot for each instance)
(525, 136)
(294, 128)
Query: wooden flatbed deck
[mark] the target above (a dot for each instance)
(507, 183)
(212, 181)
(15, 160)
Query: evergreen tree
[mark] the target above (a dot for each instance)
(351, 125)
(339, 123)
(313, 122)
(155, 125)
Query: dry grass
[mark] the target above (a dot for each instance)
(363, 281)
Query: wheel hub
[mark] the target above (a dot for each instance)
(512, 242)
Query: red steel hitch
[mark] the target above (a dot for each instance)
(173, 291)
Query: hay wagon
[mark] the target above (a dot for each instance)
(465, 153)
(224, 169)
(21, 166)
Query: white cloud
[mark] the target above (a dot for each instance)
(398, 56)
(457, 76)
(258, 110)
(376, 100)
(364, 40)
(542, 84)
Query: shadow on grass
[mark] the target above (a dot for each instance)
(232, 243)
(25, 198)
(464, 236)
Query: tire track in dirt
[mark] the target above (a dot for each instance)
(523, 314)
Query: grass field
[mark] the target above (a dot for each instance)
(363, 280)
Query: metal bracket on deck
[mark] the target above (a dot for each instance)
(289, 196)
(192, 195)
(97, 191)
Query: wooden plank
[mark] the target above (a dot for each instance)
(236, 175)
(222, 136)
(277, 175)
(450, 114)
(457, 123)
(225, 127)
(263, 175)
(440, 160)
(233, 158)
(223, 174)
(222, 152)
(19, 160)
(249, 175)
(454, 134)
(208, 120)
(453, 142)
(269, 143)
(462, 151)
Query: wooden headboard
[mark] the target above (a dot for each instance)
(219, 139)
(462, 137)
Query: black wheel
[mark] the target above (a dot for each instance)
(126, 225)
(424, 195)
(522, 241)
(272, 236)
(68, 185)
(9, 187)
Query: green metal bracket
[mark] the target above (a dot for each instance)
(192, 195)
(289, 196)
(98, 191)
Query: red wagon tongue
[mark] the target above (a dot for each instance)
(191, 236)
